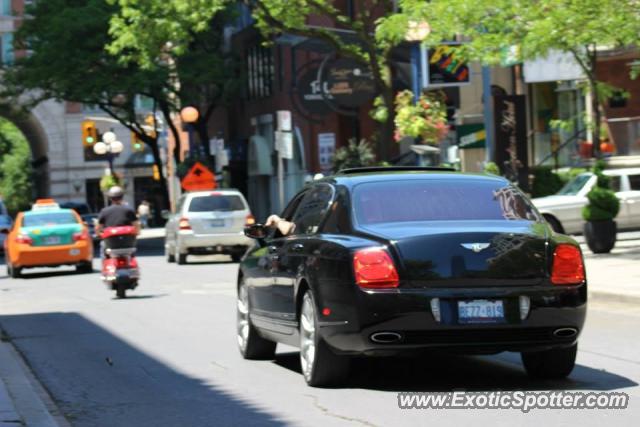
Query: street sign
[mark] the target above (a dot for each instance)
(284, 144)
(443, 66)
(198, 178)
(284, 120)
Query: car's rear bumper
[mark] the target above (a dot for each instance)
(409, 315)
(51, 256)
(189, 242)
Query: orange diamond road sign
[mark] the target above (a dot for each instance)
(199, 177)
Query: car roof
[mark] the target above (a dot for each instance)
(43, 211)
(222, 191)
(354, 178)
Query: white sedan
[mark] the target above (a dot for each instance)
(564, 209)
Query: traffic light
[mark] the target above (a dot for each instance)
(137, 145)
(89, 133)
(90, 136)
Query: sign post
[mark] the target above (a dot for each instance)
(283, 139)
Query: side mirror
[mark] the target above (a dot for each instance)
(165, 214)
(256, 231)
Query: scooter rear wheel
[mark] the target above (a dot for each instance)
(121, 291)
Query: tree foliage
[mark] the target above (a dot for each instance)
(578, 27)
(272, 17)
(15, 168)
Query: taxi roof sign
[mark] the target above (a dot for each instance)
(45, 204)
(199, 177)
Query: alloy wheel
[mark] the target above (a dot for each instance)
(243, 318)
(307, 336)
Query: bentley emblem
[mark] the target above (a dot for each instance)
(475, 247)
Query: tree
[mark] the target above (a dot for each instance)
(15, 168)
(188, 35)
(581, 28)
(68, 62)
(178, 21)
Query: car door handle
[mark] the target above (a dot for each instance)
(272, 249)
(298, 247)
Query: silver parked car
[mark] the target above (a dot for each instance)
(564, 209)
(208, 222)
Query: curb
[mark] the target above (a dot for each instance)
(27, 403)
(601, 296)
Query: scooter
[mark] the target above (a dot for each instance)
(120, 270)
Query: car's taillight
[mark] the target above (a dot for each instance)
(250, 220)
(24, 239)
(568, 267)
(374, 268)
(184, 224)
(83, 235)
(133, 263)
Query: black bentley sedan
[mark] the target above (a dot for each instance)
(389, 260)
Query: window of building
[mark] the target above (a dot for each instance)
(260, 72)
(6, 8)
(6, 48)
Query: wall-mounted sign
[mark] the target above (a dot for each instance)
(326, 150)
(349, 82)
(511, 138)
(443, 66)
(284, 120)
(310, 96)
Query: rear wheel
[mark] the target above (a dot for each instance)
(182, 259)
(85, 267)
(13, 272)
(550, 364)
(170, 256)
(320, 366)
(121, 291)
(250, 344)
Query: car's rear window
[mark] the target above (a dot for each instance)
(216, 203)
(49, 218)
(439, 200)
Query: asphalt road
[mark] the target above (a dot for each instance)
(167, 356)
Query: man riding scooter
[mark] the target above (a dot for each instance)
(118, 227)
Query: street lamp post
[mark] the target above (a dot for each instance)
(109, 146)
(190, 115)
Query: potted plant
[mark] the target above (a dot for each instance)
(354, 155)
(600, 228)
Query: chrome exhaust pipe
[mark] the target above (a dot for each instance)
(565, 332)
(386, 337)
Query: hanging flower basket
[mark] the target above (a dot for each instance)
(425, 120)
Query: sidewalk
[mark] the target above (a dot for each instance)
(20, 403)
(615, 276)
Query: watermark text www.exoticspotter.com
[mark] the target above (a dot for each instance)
(522, 400)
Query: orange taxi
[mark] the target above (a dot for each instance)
(48, 236)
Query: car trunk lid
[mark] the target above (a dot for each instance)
(52, 235)
(467, 253)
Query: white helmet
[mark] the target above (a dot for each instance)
(115, 192)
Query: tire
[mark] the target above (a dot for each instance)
(170, 256)
(121, 291)
(14, 272)
(554, 223)
(556, 363)
(320, 366)
(85, 267)
(182, 259)
(251, 345)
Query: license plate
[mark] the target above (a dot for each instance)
(52, 240)
(216, 223)
(480, 311)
